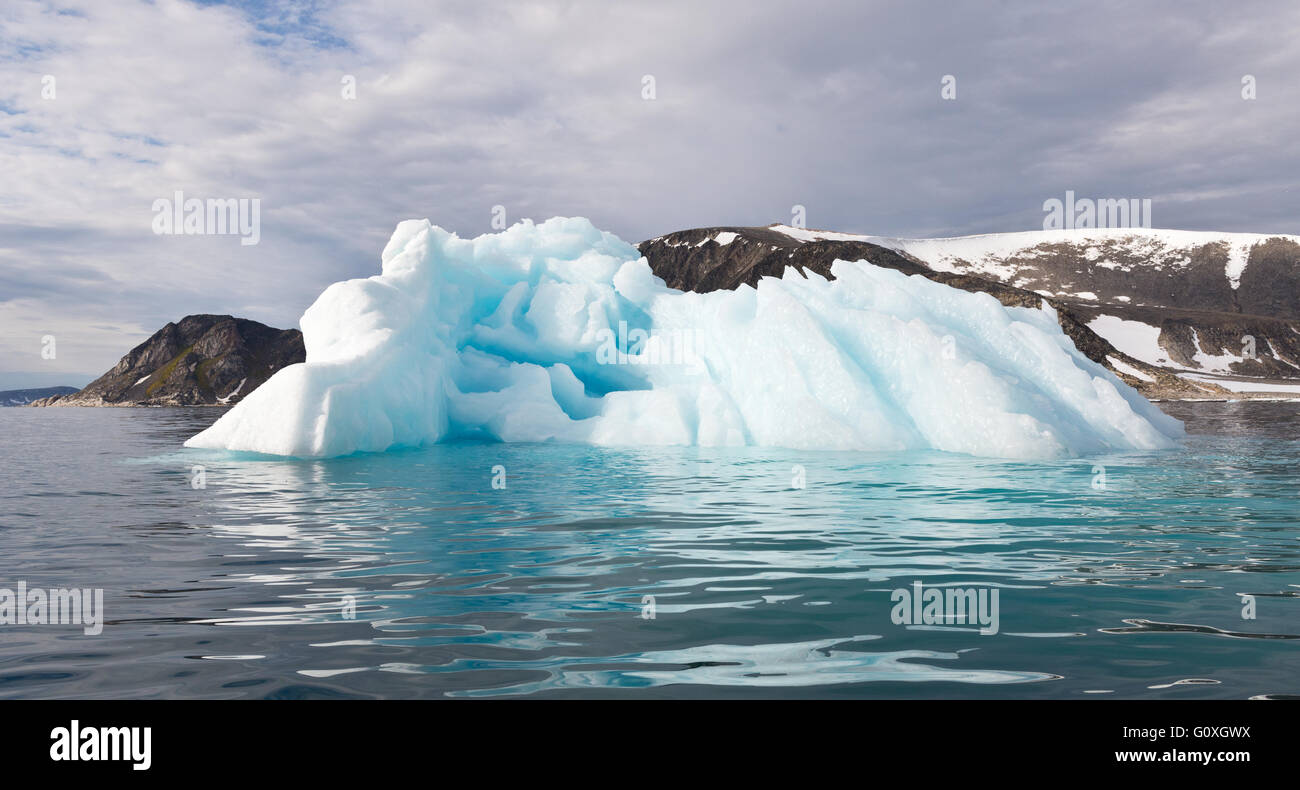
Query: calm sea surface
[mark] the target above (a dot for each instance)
(679, 572)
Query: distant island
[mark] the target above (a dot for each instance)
(24, 397)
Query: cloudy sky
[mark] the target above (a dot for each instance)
(106, 107)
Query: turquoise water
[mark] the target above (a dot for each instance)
(410, 575)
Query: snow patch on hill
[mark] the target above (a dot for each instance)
(994, 254)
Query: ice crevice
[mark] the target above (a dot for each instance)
(557, 331)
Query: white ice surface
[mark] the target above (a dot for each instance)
(507, 336)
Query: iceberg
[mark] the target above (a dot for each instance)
(559, 331)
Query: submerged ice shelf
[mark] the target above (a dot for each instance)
(560, 332)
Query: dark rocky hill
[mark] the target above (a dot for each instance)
(199, 360)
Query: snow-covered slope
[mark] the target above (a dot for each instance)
(1127, 265)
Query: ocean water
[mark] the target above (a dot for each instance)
(490, 570)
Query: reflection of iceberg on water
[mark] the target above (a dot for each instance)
(560, 332)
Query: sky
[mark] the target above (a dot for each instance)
(343, 119)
